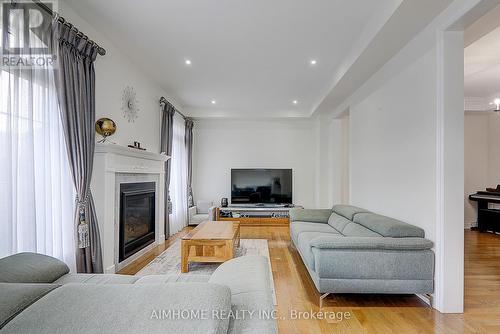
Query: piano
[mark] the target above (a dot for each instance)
(488, 209)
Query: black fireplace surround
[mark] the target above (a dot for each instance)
(137, 217)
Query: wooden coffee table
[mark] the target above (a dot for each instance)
(211, 241)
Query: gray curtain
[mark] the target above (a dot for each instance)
(166, 138)
(188, 139)
(75, 82)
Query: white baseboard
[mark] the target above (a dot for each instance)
(469, 225)
(110, 270)
(425, 299)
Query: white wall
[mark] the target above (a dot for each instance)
(345, 182)
(313, 148)
(476, 161)
(449, 244)
(329, 162)
(114, 72)
(482, 158)
(406, 145)
(392, 147)
(494, 150)
(220, 145)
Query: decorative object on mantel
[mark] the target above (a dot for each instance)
(137, 146)
(496, 103)
(105, 127)
(130, 104)
(494, 190)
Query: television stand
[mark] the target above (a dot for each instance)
(255, 215)
(260, 205)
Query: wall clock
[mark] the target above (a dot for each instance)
(130, 105)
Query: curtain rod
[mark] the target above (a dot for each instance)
(164, 100)
(39, 3)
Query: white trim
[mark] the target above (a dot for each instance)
(458, 16)
(123, 178)
(469, 225)
(129, 152)
(115, 164)
(425, 299)
(110, 270)
(440, 219)
(476, 104)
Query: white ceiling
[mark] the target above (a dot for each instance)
(482, 66)
(252, 57)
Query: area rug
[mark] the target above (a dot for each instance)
(169, 262)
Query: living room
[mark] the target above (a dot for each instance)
(242, 167)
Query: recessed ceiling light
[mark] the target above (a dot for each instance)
(187, 62)
(313, 62)
(213, 102)
(295, 102)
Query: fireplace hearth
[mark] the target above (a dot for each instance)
(137, 217)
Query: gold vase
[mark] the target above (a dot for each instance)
(105, 127)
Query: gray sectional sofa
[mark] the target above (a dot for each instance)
(352, 250)
(39, 295)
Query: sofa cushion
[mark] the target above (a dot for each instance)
(388, 227)
(310, 215)
(127, 308)
(249, 293)
(349, 229)
(235, 274)
(348, 211)
(15, 297)
(31, 268)
(364, 243)
(198, 219)
(171, 278)
(374, 264)
(97, 279)
(203, 206)
(258, 322)
(356, 230)
(298, 227)
(305, 248)
(338, 222)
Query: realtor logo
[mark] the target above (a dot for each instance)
(26, 34)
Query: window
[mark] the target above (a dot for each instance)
(178, 178)
(37, 195)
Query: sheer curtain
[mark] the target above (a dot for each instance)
(37, 194)
(178, 177)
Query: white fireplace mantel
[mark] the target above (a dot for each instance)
(129, 152)
(115, 164)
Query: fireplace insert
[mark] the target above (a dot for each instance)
(137, 217)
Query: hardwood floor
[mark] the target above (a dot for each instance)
(375, 313)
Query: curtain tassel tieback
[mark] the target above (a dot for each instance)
(169, 204)
(83, 226)
(190, 197)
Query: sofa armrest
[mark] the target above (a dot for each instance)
(31, 268)
(333, 242)
(310, 215)
(212, 213)
(191, 212)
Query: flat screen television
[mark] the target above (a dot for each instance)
(261, 186)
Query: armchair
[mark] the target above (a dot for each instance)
(202, 211)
